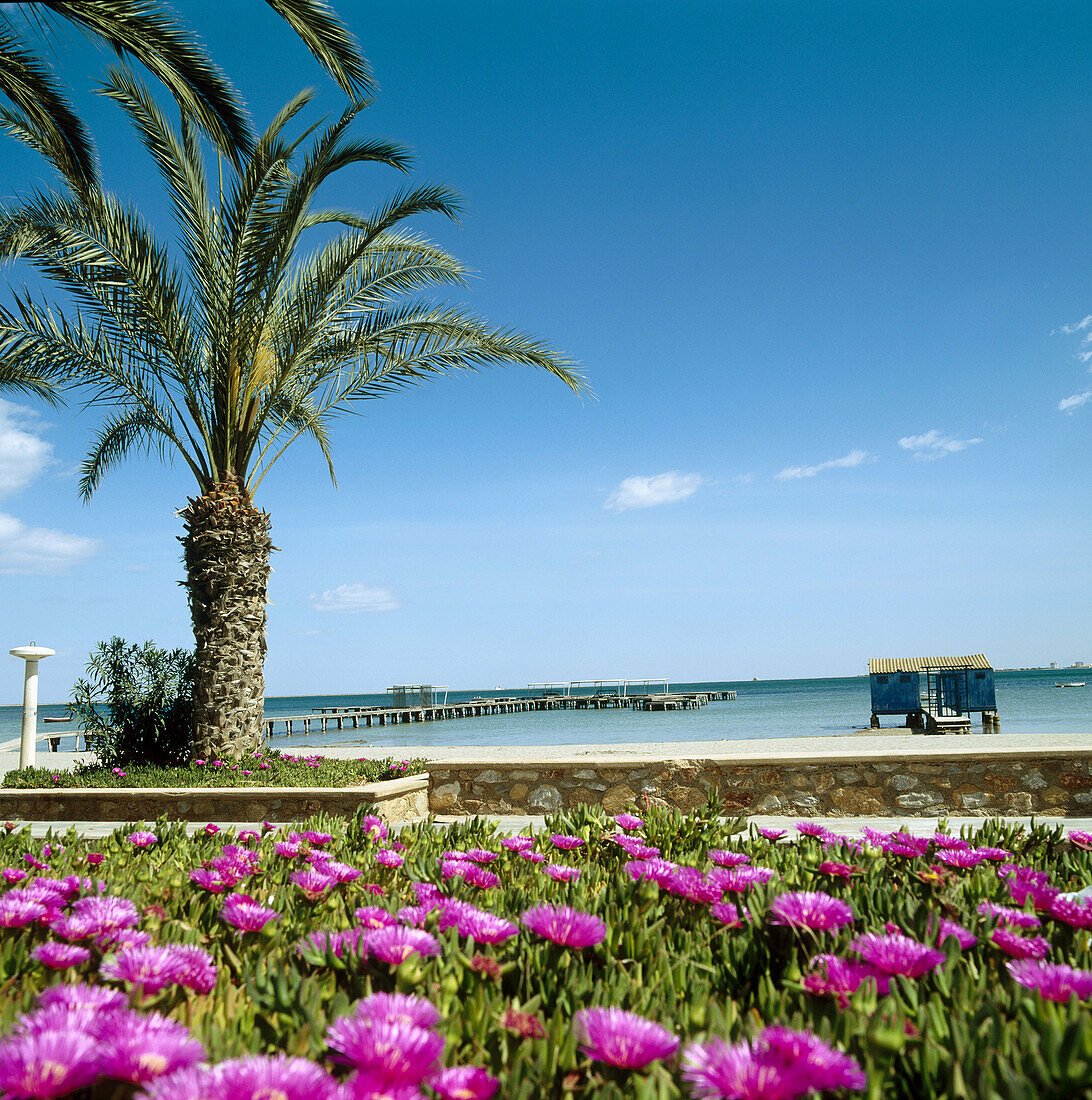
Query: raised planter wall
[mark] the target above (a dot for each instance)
(394, 800)
(917, 785)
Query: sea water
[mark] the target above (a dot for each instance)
(1028, 703)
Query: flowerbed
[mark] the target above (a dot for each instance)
(268, 768)
(675, 956)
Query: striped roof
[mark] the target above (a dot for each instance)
(924, 664)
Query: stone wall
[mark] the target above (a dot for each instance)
(916, 785)
(393, 800)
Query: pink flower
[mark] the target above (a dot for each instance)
(60, 956)
(897, 954)
(400, 1052)
(47, 1065)
(464, 1083)
(628, 822)
(1054, 981)
(533, 857)
(621, 1038)
(740, 879)
(142, 839)
(95, 858)
(838, 870)
(964, 858)
(559, 872)
(245, 914)
(13, 875)
(138, 1048)
(154, 968)
(1019, 947)
(566, 842)
(211, 830)
(371, 916)
(964, 936)
(96, 916)
(317, 839)
(772, 834)
(564, 925)
(843, 977)
(635, 846)
(395, 945)
(1080, 839)
(1016, 918)
(18, 911)
(656, 870)
(727, 914)
(518, 843)
(807, 909)
(724, 858)
(398, 1007)
(313, 883)
(779, 1065)
(812, 829)
(481, 855)
(386, 858)
(1077, 914)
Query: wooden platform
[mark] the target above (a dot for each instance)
(324, 718)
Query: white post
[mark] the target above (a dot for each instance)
(32, 654)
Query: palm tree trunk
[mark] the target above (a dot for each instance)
(226, 552)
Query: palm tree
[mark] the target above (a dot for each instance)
(228, 357)
(148, 31)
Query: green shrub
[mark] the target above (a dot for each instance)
(136, 704)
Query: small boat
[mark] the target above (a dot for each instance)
(56, 719)
(1070, 683)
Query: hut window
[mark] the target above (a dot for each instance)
(980, 676)
(881, 679)
(904, 679)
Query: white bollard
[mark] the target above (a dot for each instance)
(32, 654)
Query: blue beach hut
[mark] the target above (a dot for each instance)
(934, 693)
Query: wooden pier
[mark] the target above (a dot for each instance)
(325, 718)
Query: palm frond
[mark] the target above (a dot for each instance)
(330, 43)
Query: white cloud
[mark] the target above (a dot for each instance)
(647, 492)
(744, 479)
(854, 458)
(932, 444)
(353, 599)
(1078, 326)
(1068, 404)
(30, 551)
(23, 454)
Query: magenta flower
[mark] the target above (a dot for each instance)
(518, 843)
(154, 968)
(211, 830)
(808, 909)
(246, 914)
(812, 829)
(96, 916)
(339, 873)
(314, 884)
(374, 828)
(46, 1065)
(842, 977)
(564, 925)
(997, 855)
(289, 849)
(209, 880)
(964, 858)
(621, 1038)
(386, 858)
(13, 875)
(950, 843)
(1015, 918)
(60, 956)
(481, 855)
(628, 822)
(94, 998)
(1080, 839)
(561, 872)
(1077, 914)
(400, 1052)
(727, 914)
(258, 1077)
(964, 936)
(724, 858)
(371, 916)
(565, 842)
(316, 839)
(779, 1065)
(464, 1083)
(897, 954)
(738, 880)
(1026, 883)
(138, 1048)
(143, 839)
(533, 857)
(18, 911)
(656, 870)
(1019, 947)
(690, 883)
(395, 945)
(772, 834)
(398, 1007)
(635, 846)
(1054, 981)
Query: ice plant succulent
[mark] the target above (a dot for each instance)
(561, 924)
(1053, 981)
(895, 953)
(810, 909)
(622, 1038)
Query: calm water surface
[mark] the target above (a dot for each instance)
(1028, 703)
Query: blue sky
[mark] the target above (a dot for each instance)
(826, 267)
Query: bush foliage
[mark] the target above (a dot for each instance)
(136, 703)
(265, 769)
(962, 1028)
